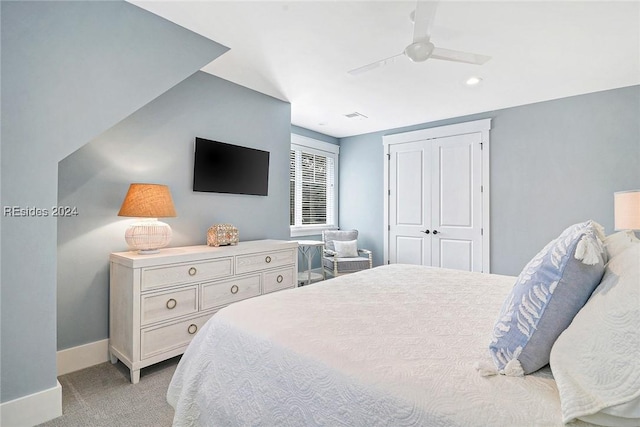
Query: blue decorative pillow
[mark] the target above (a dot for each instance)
(547, 295)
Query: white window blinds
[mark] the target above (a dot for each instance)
(312, 187)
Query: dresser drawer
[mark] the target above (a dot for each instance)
(168, 305)
(258, 262)
(222, 293)
(180, 273)
(158, 340)
(278, 279)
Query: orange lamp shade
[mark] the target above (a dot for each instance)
(148, 201)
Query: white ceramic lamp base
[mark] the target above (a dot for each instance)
(147, 236)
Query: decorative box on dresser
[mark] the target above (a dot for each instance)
(158, 302)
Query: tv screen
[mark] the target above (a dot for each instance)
(226, 168)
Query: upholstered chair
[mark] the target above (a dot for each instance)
(341, 253)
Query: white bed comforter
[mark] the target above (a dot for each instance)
(391, 346)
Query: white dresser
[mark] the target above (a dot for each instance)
(158, 302)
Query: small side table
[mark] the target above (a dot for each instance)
(308, 248)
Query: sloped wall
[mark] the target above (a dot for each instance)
(155, 144)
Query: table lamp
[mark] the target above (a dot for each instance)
(626, 207)
(148, 201)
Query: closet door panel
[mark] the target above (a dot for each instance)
(409, 203)
(456, 208)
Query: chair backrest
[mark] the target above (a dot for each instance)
(328, 236)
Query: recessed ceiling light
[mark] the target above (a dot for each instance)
(473, 81)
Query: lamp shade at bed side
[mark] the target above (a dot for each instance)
(626, 206)
(148, 201)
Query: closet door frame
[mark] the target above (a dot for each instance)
(478, 126)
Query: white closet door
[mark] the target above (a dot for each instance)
(435, 202)
(456, 202)
(409, 203)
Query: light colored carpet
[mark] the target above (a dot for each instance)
(102, 395)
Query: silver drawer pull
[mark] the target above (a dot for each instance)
(279, 279)
(192, 271)
(267, 259)
(192, 329)
(171, 304)
(234, 289)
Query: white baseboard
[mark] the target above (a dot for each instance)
(80, 357)
(33, 409)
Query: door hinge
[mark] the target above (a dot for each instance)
(482, 188)
(389, 192)
(482, 145)
(388, 262)
(388, 156)
(389, 227)
(482, 231)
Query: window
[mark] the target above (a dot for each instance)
(312, 178)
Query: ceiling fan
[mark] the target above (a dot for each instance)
(421, 48)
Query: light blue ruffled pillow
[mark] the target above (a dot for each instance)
(547, 295)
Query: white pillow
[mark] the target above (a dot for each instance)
(346, 248)
(595, 360)
(618, 242)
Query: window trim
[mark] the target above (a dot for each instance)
(314, 146)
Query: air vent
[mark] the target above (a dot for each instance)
(356, 115)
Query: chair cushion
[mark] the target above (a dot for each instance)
(346, 265)
(346, 249)
(549, 292)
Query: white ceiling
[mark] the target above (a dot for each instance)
(300, 52)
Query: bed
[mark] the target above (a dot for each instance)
(397, 345)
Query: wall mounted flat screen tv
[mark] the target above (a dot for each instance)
(225, 168)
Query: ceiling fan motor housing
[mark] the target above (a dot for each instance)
(419, 51)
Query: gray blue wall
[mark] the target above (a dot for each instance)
(155, 144)
(70, 70)
(314, 135)
(552, 164)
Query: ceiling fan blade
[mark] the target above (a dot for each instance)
(423, 20)
(374, 65)
(457, 56)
